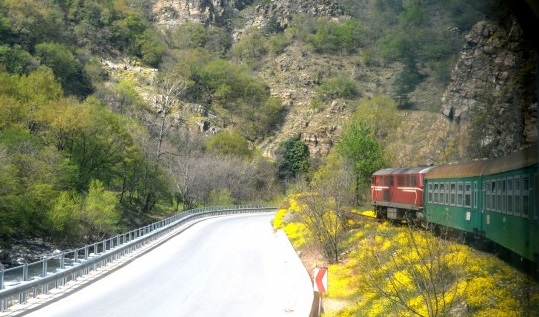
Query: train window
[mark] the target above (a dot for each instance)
(475, 195)
(499, 196)
(525, 196)
(442, 194)
(467, 194)
(504, 195)
(447, 193)
(429, 193)
(453, 193)
(509, 191)
(391, 180)
(486, 200)
(436, 193)
(460, 194)
(516, 195)
(493, 195)
(400, 180)
(414, 180)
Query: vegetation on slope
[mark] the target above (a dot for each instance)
(387, 270)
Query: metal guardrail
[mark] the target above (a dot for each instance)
(32, 279)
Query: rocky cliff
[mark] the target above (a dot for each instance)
(491, 97)
(490, 102)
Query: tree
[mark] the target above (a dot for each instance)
(172, 87)
(413, 273)
(16, 60)
(322, 220)
(327, 200)
(229, 143)
(100, 214)
(67, 69)
(360, 149)
(292, 159)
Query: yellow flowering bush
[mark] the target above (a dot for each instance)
(395, 271)
(405, 272)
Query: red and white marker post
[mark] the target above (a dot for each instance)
(320, 284)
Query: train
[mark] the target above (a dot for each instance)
(492, 200)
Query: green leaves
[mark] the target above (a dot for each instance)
(74, 216)
(336, 37)
(358, 146)
(292, 159)
(339, 87)
(229, 143)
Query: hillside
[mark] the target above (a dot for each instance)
(297, 68)
(114, 113)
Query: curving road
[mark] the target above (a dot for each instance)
(229, 266)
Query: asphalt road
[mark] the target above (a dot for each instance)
(229, 266)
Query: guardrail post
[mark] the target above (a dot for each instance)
(62, 260)
(44, 272)
(22, 296)
(2, 302)
(85, 252)
(25, 272)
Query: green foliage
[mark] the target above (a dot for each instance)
(317, 104)
(340, 87)
(236, 96)
(67, 69)
(336, 37)
(68, 167)
(277, 43)
(63, 214)
(75, 217)
(251, 47)
(28, 22)
(16, 60)
(413, 13)
(100, 212)
(150, 48)
(220, 198)
(359, 147)
(404, 272)
(292, 159)
(229, 143)
(196, 35)
(397, 45)
(406, 82)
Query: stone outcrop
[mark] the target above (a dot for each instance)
(491, 88)
(172, 12)
(491, 93)
(284, 11)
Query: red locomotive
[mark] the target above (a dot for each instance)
(397, 193)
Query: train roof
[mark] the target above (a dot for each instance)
(403, 170)
(467, 169)
(516, 160)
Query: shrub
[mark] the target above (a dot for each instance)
(292, 158)
(229, 143)
(340, 87)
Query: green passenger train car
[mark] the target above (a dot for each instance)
(494, 199)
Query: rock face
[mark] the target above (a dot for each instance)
(490, 101)
(491, 95)
(283, 11)
(205, 11)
